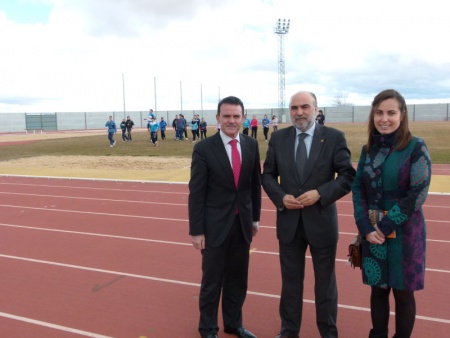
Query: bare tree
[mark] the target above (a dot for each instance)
(340, 100)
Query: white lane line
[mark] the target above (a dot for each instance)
(148, 217)
(170, 192)
(72, 266)
(172, 281)
(52, 326)
(94, 213)
(118, 181)
(93, 199)
(253, 250)
(96, 234)
(101, 188)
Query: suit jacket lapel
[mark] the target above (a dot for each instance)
(289, 154)
(222, 158)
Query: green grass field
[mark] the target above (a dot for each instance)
(435, 134)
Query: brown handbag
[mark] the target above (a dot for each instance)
(354, 252)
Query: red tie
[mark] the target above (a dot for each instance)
(235, 161)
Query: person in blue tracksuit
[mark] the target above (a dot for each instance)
(153, 128)
(112, 129)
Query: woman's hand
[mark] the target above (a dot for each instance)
(375, 238)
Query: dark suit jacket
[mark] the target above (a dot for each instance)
(329, 170)
(213, 196)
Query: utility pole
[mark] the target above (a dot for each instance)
(123, 94)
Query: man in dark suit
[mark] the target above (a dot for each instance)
(224, 211)
(304, 191)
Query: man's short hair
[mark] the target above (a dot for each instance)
(230, 100)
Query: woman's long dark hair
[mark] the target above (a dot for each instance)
(403, 134)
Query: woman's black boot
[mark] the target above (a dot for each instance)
(378, 334)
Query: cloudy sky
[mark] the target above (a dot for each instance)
(99, 55)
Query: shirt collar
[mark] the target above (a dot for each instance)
(310, 131)
(226, 139)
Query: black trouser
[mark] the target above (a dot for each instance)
(225, 271)
(292, 261)
(197, 134)
(129, 135)
(266, 132)
(254, 131)
(194, 135)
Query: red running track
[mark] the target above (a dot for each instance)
(92, 258)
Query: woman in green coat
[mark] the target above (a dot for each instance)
(390, 187)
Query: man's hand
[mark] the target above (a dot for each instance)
(198, 241)
(304, 200)
(308, 198)
(291, 203)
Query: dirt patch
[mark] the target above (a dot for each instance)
(111, 167)
(131, 163)
(121, 167)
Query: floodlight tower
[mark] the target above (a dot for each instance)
(281, 28)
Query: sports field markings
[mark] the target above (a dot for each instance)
(134, 202)
(252, 250)
(94, 213)
(197, 285)
(52, 326)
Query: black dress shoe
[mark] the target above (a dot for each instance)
(211, 336)
(288, 336)
(240, 332)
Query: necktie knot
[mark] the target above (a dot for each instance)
(233, 142)
(302, 136)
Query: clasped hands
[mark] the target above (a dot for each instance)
(376, 237)
(304, 200)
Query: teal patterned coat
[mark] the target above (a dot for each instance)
(396, 181)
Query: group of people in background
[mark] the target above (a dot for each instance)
(198, 128)
(252, 125)
(126, 126)
(307, 169)
(179, 124)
